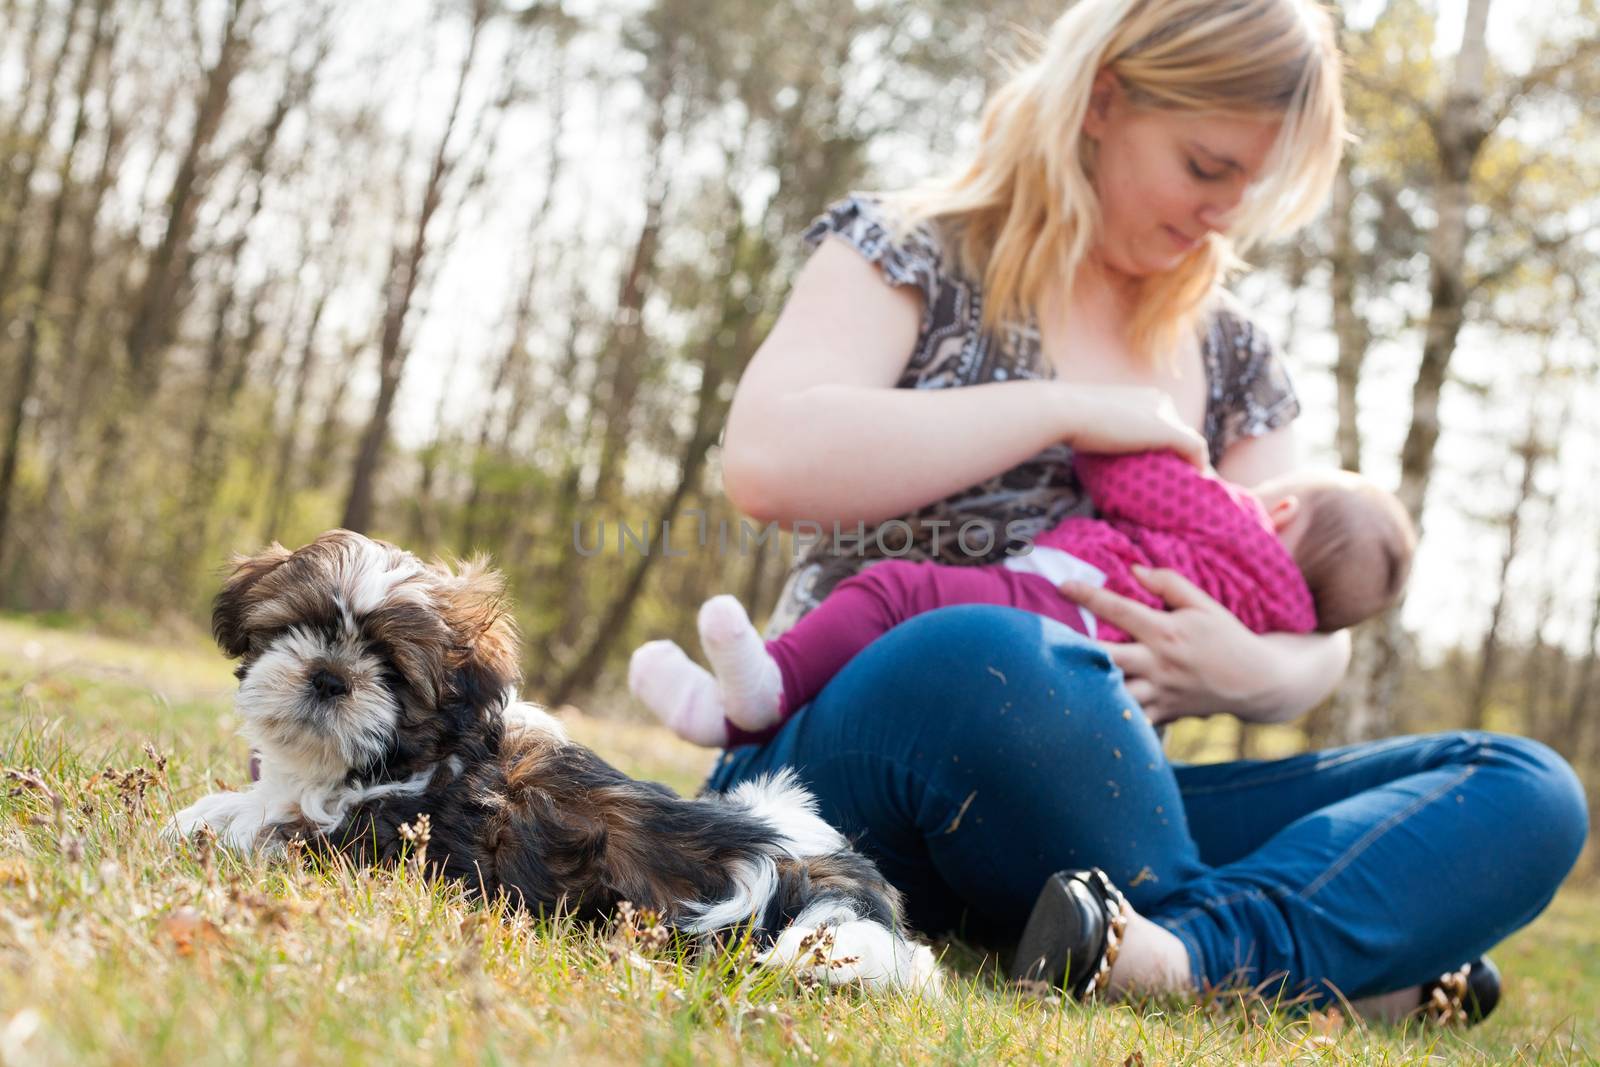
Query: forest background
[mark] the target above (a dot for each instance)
(478, 275)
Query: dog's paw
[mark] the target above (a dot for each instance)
(186, 823)
(236, 819)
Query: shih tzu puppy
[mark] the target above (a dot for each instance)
(377, 688)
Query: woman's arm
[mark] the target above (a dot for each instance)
(818, 432)
(1196, 658)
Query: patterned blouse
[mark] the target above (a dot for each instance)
(1248, 393)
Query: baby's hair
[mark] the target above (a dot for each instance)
(1356, 550)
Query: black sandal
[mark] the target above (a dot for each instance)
(1073, 935)
(1462, 997)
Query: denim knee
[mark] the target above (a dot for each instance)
(1533, 779)
(1549, 791)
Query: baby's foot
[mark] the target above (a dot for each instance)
(682, 693)
(752, 685)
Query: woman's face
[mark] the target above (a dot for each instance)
(1165, 179)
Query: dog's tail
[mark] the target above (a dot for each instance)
(830, 914)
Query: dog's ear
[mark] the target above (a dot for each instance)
(238, 595)
(485, 660)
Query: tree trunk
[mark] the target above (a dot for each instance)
(1581, 734)
(404, 273)
(727, 344)
(753, 592)
(425, 527)
(155, 310)
(1349, 327)
(522, 320)
(1459, 132)
(483, 452)
(34, 143)
(558, 574)
(30, 85)
(1489, 651)
(709, 412)
(211, 459)
(625, 358)
(220, 351)
(319, 465)
(80, 365)
(281, 486)
(627, 350)
(168, 272)
(44, 281)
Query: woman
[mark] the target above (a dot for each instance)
(1067, 283)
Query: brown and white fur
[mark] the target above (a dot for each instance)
(376, 688)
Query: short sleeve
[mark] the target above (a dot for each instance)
(911, 258)
(1256, 395)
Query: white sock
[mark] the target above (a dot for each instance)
(680, 692)
(1152, 960)
(752, 685)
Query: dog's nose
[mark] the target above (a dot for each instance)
(328, 685)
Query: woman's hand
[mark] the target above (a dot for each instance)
(1194, 660)
(1130, 418)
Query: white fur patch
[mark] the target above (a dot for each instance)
(783, 804)
(240, 818)
(780, 801)
(522, 715)
(377, 577)
(755, 881)
(853, 949)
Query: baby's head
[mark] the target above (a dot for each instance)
(1351, 540)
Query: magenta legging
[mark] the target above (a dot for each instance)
(868, 605)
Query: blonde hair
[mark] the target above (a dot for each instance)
(1024, 211)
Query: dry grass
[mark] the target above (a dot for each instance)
(116, 947)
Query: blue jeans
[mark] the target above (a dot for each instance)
(974, 750)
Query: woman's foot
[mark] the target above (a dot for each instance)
(1153, 961)
(1462, 997)
(751, 684)
(680, 692)
(1084, 937)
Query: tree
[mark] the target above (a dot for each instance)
(1534, 448)
(1449, 128)
(43, 294)
(168, 273)
(400, 288)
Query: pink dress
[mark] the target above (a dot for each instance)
(1155, 510)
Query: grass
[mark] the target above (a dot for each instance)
(117, 948)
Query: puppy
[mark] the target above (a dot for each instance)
(377, 688)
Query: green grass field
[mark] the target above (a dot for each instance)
(118, 948)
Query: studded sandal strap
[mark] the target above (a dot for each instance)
(1117, 911)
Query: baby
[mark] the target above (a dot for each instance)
(1302, 552)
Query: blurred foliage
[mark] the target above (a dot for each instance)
(611, 233)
